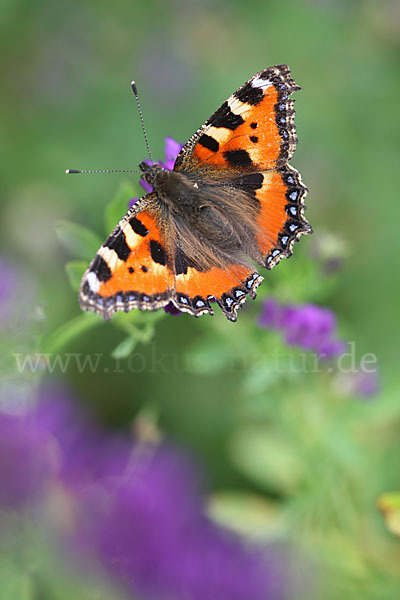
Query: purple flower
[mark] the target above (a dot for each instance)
(137, 508)
(28, 461)
(364, 384)
(149, 529)
(85, 452)
(16, 294)
(51, 442)
(308, 326)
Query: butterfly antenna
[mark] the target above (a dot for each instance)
(69, 171)
(134, 89)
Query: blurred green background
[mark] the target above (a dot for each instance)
(314, 456)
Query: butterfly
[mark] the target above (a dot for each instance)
(231, 200)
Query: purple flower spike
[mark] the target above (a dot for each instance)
(149, 530)
(308, 326)
(273, 315)
(28, 460)
(135, 508)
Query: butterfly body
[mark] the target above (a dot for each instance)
(231, 199)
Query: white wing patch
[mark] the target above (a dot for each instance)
(257, 82)
(93, 281)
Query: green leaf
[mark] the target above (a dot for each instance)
(246, 513)
(78, 240)
(75, 270)
(124, 349)
(267, 458)
(118, 206)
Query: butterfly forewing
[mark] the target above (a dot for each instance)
(252, 131)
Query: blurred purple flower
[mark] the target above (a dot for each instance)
(16, 294)
(85, 452)
(149, 528)
(137, 507)
(364, 384)
(27, 460)
(308, 326)
(51, 442)
(171, 150)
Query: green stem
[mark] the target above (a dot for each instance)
(70, 330)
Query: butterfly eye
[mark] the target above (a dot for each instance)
(143, 166)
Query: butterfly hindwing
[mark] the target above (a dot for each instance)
(279, 196)
(281, 221)
(252, 131)
(228, 287)
(132, 268)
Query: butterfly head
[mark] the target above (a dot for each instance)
(151, 173)
(167, 184)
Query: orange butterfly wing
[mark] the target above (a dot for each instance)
(229, 287)
(252, 131)
(132, 268)
(279, 194)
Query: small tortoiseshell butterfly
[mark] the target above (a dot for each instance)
(231, 198)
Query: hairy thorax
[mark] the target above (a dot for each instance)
(175, 190)
(212, 221)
